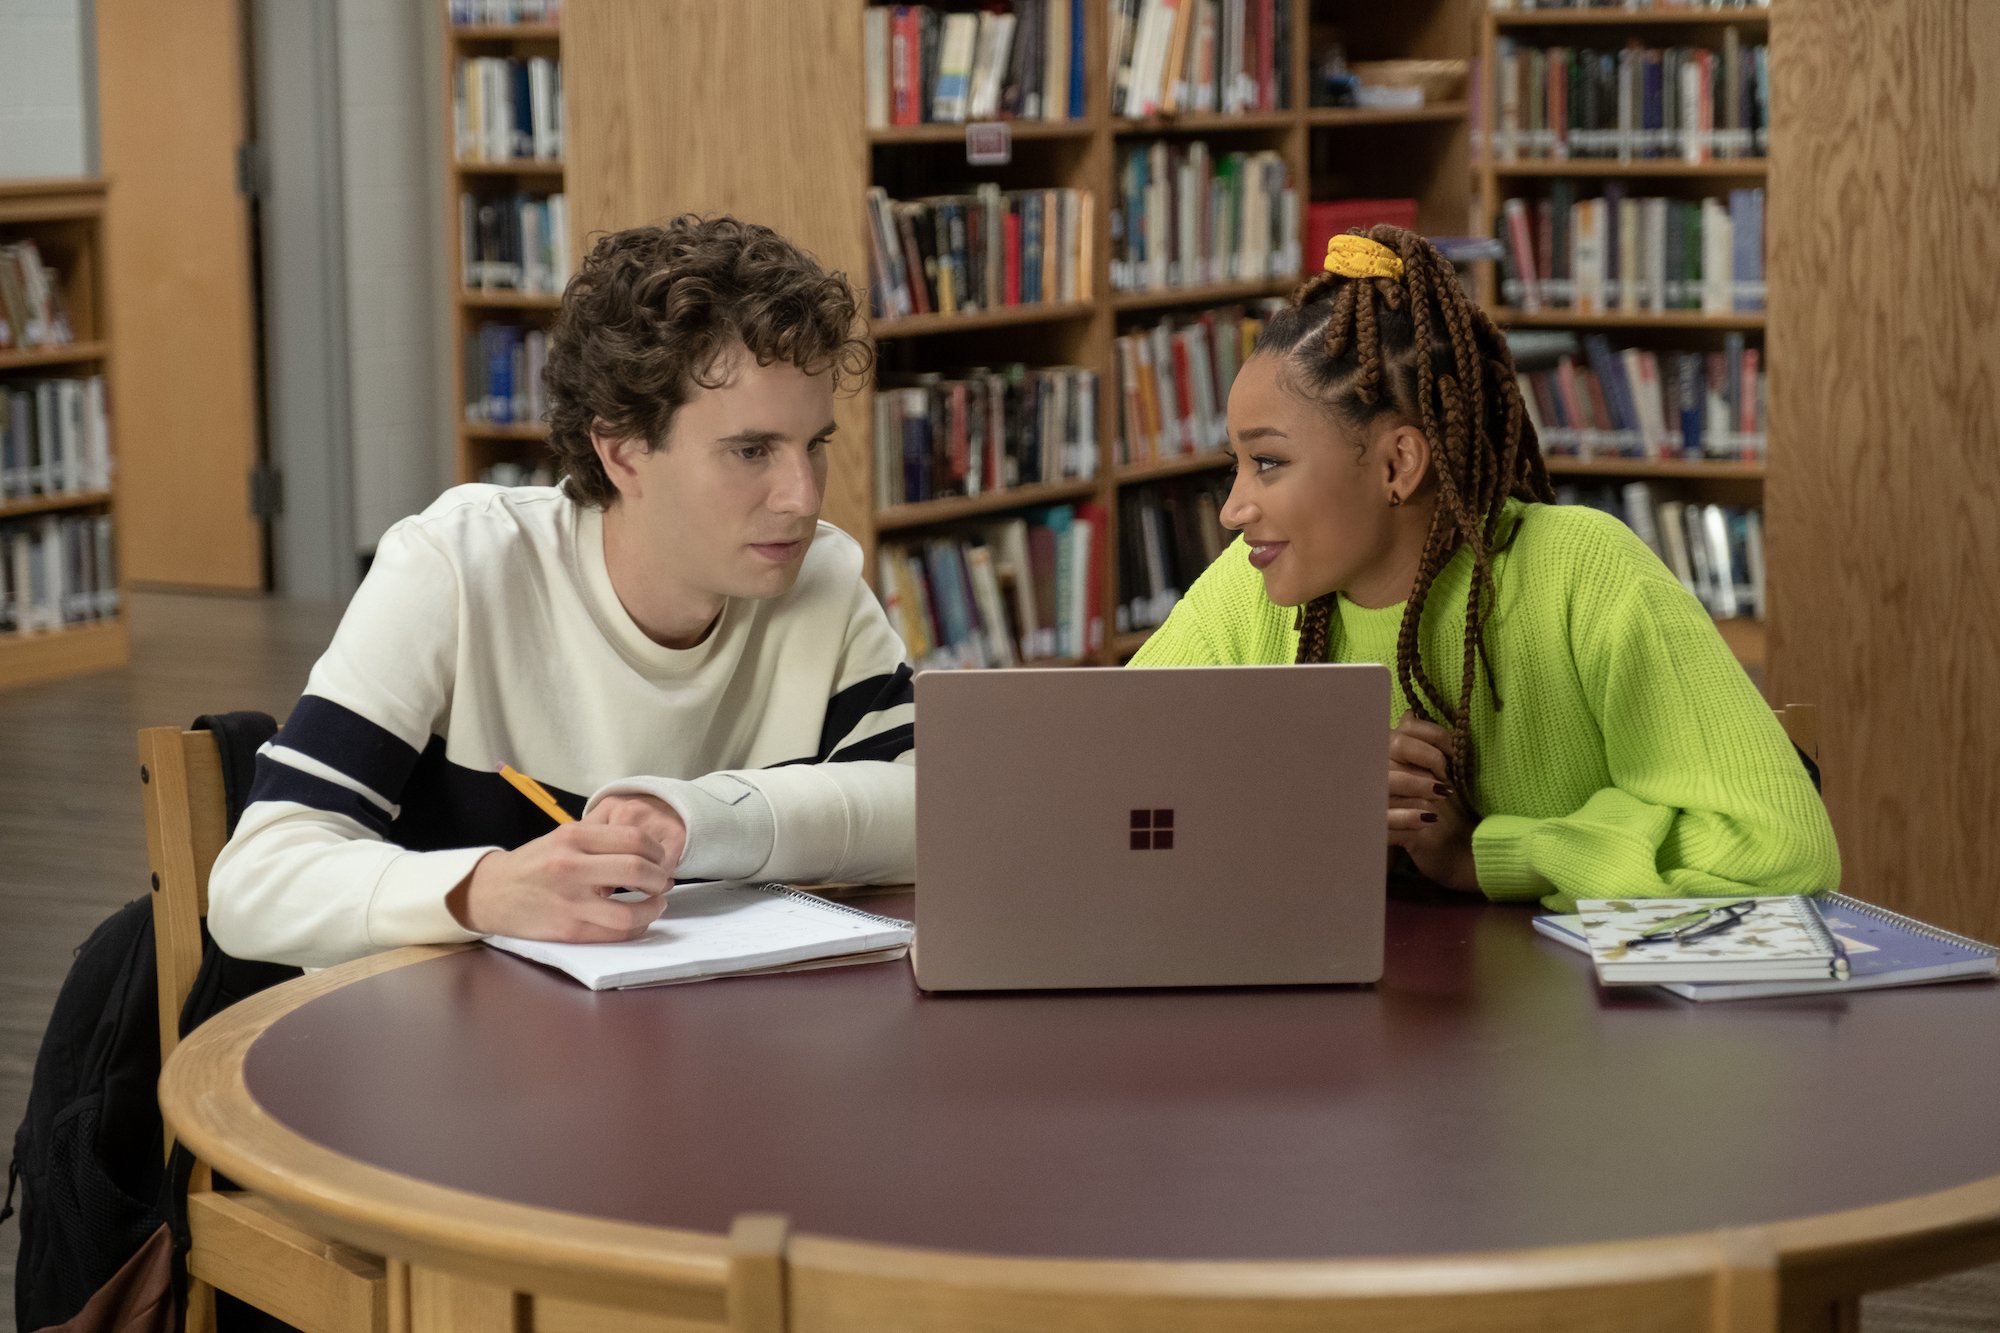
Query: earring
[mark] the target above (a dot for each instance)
(1394, 500)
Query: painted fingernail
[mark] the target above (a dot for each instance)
(1441, 789)
(1429, 817)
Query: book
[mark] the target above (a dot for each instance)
(1884, 948)
(1780, 938)
(725, 929)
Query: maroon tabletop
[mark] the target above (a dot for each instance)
(1486, 1094)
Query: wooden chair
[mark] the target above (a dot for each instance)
(1724, 1283)
(1801, 723)
(240, 1244)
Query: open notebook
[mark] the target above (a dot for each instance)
(1883, 948)
(718, 930)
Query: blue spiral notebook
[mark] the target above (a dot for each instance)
(1883, 948)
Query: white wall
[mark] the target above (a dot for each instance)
(390, 154)
(44, 83)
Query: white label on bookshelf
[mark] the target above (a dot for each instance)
(989, 143)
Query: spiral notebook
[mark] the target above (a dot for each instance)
(1883, 948)
(720, 930)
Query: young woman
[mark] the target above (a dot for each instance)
(1568, 722)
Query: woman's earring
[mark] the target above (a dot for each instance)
(1394, 500)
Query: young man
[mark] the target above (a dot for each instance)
(669, 632)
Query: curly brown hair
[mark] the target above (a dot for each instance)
(1418, 347)
(653, 310)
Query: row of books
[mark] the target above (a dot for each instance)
(1594, 401)
(466, 13)
(1637, 7)
(506, 109)
(1615, 252)
(1024, 589)
(1170, 56)
(1188, 216)
(980, 251)
(31, 304)
(1682, 102)
(1014, 59)
(1168, 533)
(1174, 378)
(1716, 551)
(515, 243)
(983, 430)
(54, 438)
(503, 374)
(56, 570)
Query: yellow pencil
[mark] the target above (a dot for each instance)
(537, 793)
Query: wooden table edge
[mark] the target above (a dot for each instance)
(1828, 1256)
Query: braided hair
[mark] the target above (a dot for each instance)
(1418, 347)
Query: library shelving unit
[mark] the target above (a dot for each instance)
(757, 108)
(479, 445)
(1720, 481)
(65, 219)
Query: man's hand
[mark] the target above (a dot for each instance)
(559, 886)
(1423, 817)
(648, 814)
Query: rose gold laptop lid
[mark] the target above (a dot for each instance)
(1211, 826)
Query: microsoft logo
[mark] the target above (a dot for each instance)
(1152, 830)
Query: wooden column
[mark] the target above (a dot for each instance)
(1883, 515)
(747, 107)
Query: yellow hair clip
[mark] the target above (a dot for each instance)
(1359, 257)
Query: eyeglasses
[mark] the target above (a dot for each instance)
(1697, 925)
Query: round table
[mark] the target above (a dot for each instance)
(466, 1109)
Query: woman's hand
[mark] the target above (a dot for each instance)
(1424, 820)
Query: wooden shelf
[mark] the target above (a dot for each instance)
(1747, 320)
(1209, 294)
(27, 659)
(505, 32)
(1135, 474)
(77, 205)
(517, 430)
(1703, 469)
(1205, 122)
(952, 132)
(520, 166)
(1336, 117)
(911, 326)
(506, 300)
(1641, 17)
(1646, 168)
(65, 355)
(50, 504)
(1124, 645)
(52, 199)
(931, 512)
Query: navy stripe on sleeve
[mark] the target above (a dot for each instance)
(883, 745)
(344, 740)
(279, 781)
(849, 708)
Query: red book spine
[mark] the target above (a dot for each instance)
(1267, 63)
(1010, 249)
(1184, 393)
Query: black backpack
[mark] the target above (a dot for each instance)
(94, 1187)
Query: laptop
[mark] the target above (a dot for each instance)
(1207, 826)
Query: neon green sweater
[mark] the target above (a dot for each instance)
(1631, 756)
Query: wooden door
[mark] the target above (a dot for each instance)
(172, 98)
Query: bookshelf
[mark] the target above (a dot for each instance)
(65, 221)
(1532, 151)
(495, 179)
(806, 159)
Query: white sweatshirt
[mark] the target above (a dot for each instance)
(488, 632)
